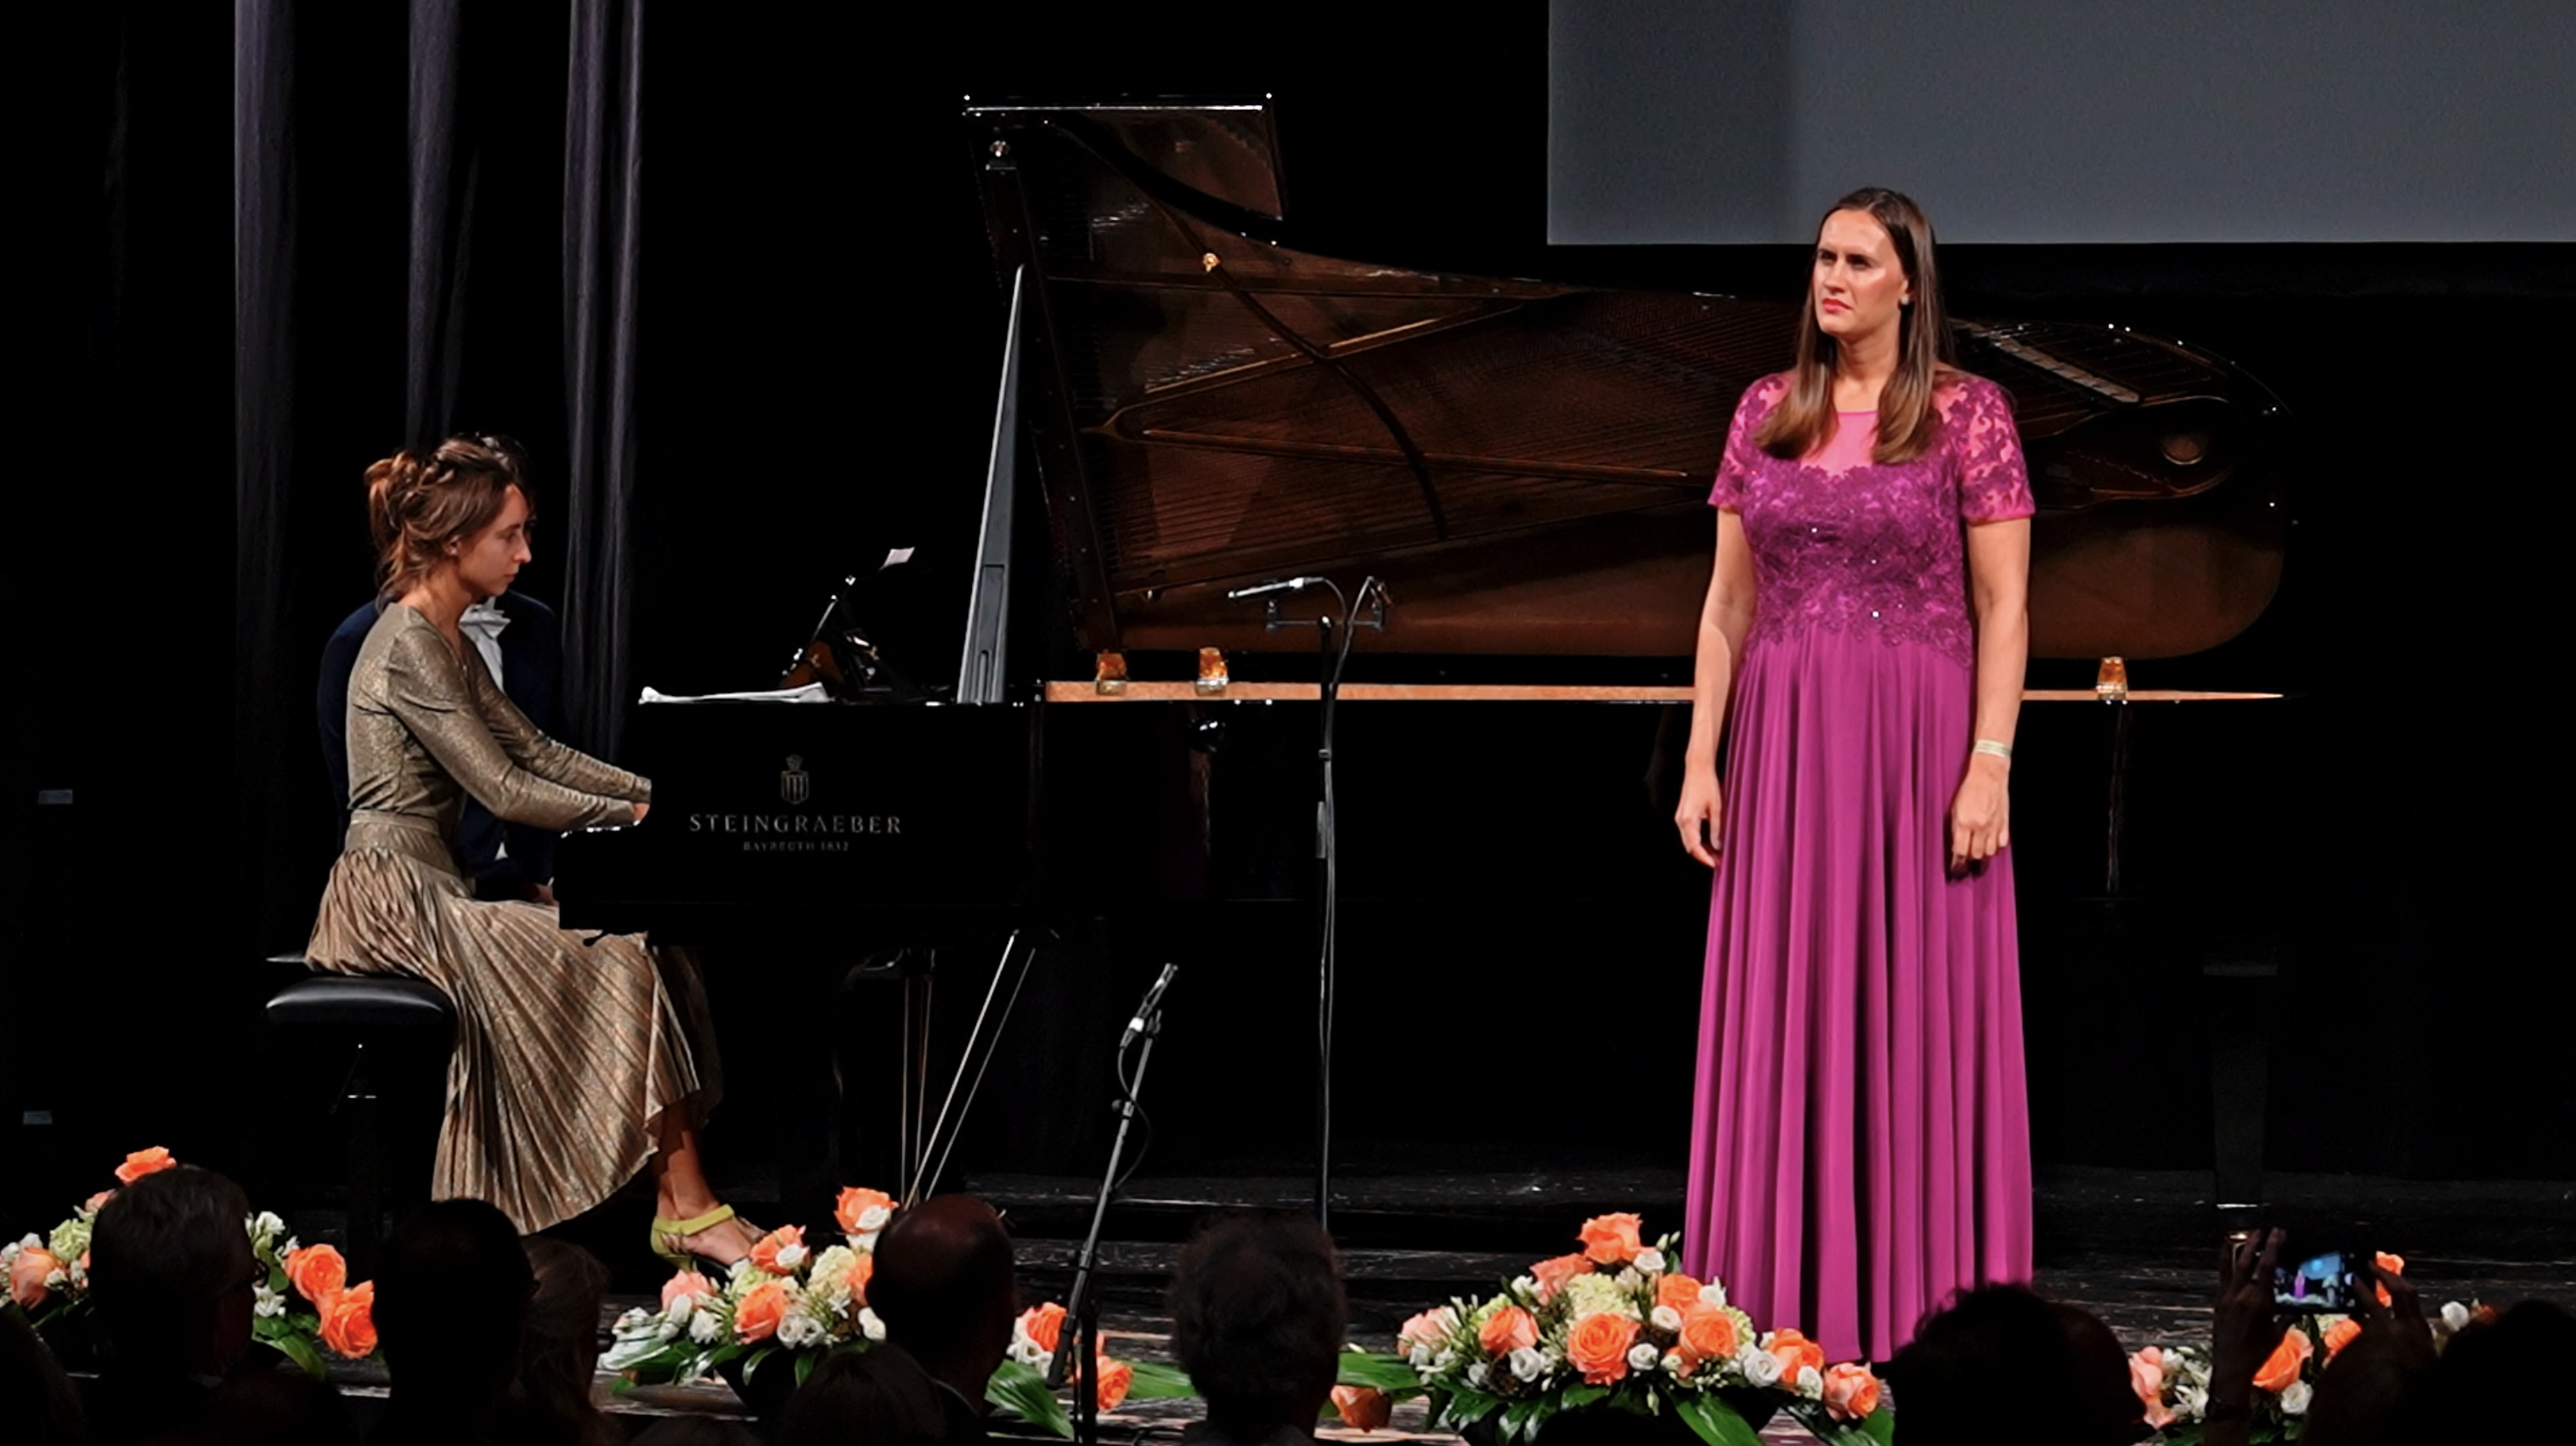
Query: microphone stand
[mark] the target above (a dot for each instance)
(1328, 892)
(1081, 1339)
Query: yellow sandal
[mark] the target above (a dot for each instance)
(667, 1231)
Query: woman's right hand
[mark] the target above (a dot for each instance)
(1699, 814)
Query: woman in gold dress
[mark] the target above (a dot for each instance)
(578, 1060)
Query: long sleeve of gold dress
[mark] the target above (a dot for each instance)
(568, 1046)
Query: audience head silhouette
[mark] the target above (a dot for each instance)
(2069, 1378)
(452, 1292)
(1259, 1322)
(559, 1348)
(171, 1273)
(943, 1286)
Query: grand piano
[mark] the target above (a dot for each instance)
(1190, 403)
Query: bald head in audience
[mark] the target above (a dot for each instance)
(943, 1286)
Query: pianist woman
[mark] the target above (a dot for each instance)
(1860, 1146)
(578, 1061)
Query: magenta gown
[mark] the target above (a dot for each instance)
(1860, 1145)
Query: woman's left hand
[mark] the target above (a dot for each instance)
(1980, 813)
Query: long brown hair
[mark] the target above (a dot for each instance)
(1925, 352)
(416, 505)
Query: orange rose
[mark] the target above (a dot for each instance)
(788, 1240)
(860, 1211)
(1851, 1392)
(2147, 1380)
(1678, 1291)
(1709, 1334)
(1598, 1346)
(1362, 1408)
(317, 1272)
(862, 1271)
(1794, 1352)
(143, 1162)
(1115, 1377)
(27, 1276)
(2339, 1335)
(688, 1283)
(1509, 1329)
(349, 1322)
(1043, 1325)
(757, 1318)
(2281, 1368)
(1611, 1239)
(98, 1202)
(2394, 1265)
(1553, 1272)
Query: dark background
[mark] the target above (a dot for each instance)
(820, 327)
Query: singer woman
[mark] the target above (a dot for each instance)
(578, 1060)
(1861, 1146)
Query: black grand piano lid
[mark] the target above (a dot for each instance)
(1525, 462)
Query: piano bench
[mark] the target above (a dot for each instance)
(371, 1015)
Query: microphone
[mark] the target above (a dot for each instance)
(1153, 1001)
(1282, 584)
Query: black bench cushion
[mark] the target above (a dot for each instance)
(361, 1001)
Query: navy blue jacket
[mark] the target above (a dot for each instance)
(531, 659)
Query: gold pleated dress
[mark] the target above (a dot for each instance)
(569, 1045)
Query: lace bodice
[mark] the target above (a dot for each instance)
(1845, 544)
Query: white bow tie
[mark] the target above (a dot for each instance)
(482, 624)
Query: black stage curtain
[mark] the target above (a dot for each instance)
(602, 225)
(264, 431)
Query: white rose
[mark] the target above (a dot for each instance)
(2294, 1398)
(1446, 1360)
(1713, 1294)
(667, 1330)
(705, 1326)
(871, 1327)
(865, 1240)
(1523, 1287)
(283, 1251)
(1651, 1261)
(1642, 1357)
(792, 1256)
(1759, 1367)
(2455, 1317)
(1665, 1318)
(874, 1218)
(797, 1330)
(1674, 1365)
(1811, 1383)
(1419, 1358)
(1476, 1375)
(265, 1302)
(2192, 1402)
(1628, 1278)
(1527, 1364)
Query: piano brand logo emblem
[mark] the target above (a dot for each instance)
(795, 785)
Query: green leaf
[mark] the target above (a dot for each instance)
(1579, 1396)
(1715, 1422)
(805, 1365)
(1388, 1373)
(1155, 1381)
(1023, 1393)
(757, 1357)
(1466, 1408)
(301, 1352)
(1516, 1418)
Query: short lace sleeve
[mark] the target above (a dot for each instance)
(1736, 465)
(1994, 484)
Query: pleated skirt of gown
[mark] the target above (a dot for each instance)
(1861, 1143)
(569, 1045)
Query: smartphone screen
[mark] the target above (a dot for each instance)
(2319, 1283)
